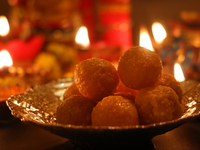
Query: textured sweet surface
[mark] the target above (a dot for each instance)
(75, 110)
(96, 78)
(169, 80)
(115, 111)
(157, 104)
(71, 90)
(139, 67)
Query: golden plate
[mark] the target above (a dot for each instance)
(38, 106)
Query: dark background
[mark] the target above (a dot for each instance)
(4, 8)
(146, 12)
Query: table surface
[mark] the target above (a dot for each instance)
(22, 136)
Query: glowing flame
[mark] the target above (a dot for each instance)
(145, 40)
(82, 38)
(5, 59)
(178, 73)
(4, 26)
(159, 32)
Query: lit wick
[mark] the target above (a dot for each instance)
(82, 39)
(178, 73)
(159, 32)
(5, 59)
(4, 26)
(145, 40)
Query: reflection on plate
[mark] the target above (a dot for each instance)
(38, 106)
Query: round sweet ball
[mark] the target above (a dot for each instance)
(121, 88)
(126, 92)
(157, 104)
(115, 111)
(169, 80)
(127, 95)
(75, 110)
(96, 78)
(71, 90)
(139, 67)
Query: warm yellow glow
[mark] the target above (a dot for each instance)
(159, 32)
(178, 73)
(5, 59)
(145, 40)
(4, 26)
(82, 38)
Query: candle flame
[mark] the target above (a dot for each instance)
(5, 59)
(145, 40)
(82, 38)
(4, 26)
(159, 32)
(178, 73)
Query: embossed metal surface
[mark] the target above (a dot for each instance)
(38, 106)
